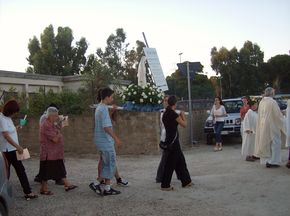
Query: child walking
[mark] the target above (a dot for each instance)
(249, 130)
(105, 140)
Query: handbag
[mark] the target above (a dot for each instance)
(165, 146)
(24, 156)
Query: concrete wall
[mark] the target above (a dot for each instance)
(139, 133)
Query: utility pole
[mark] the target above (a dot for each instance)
(180, 57)
(189, 104)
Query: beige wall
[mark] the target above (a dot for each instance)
(138, 131)
(29, 85)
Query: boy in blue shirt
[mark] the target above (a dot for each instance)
(105, 140)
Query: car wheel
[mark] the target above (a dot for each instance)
(3, 211)
(209, 139)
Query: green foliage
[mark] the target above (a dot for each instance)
(240, 71)
(55, 55)
(97, 76)
(142, 95)
(277, 73)
(122, 61)
(200, 86)
(73, 103)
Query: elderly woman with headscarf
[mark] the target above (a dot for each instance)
(52, 153)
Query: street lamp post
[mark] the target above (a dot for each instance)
(180, 56)
(221, 86)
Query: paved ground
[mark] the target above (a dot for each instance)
(224, 185)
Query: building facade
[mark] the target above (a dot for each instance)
(27, 83)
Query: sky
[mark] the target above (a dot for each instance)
(191, 27)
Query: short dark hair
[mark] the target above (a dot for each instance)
(246, 97)
(11, 107)
(106, 92)
(172, 100)
(99, 95)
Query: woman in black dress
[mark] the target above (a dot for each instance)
(175, 160)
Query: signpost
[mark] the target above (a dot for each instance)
(189, 68)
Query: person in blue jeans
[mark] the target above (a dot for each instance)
(218, 113)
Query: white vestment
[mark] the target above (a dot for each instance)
(249, 124)
(288, 124)
(270, 125)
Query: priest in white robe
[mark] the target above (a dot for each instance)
(288, 131)
(249, 132)
(270, 126)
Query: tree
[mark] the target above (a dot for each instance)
(224, 62)
(200, 86)
(97, 75)
(277, 73)
(114, 53)
(122, 61)
(251, 59)
(55, 55)
(132, 59)
(240, 71)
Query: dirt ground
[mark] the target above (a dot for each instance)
(224, 185)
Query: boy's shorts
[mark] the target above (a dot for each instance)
(108, 160)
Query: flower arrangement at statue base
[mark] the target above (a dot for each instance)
(142, 99)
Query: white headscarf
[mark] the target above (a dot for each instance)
(50, 111)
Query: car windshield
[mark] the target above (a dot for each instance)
(233, 106)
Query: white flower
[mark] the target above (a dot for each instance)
(149, 93)
(141, 100)
(124, 97)
(151, 100)
(159, 101)
(133, 102)
(135, 93)
(144, 95)
(129, 93)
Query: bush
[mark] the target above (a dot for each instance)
(68, 102)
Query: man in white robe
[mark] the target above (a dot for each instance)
(249, 132)
(270, 125)
(288, 131)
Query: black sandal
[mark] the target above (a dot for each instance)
(30, 196)
(71, 187)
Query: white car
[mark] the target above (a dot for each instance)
(5, 188)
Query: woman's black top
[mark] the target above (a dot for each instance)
(170, 124)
